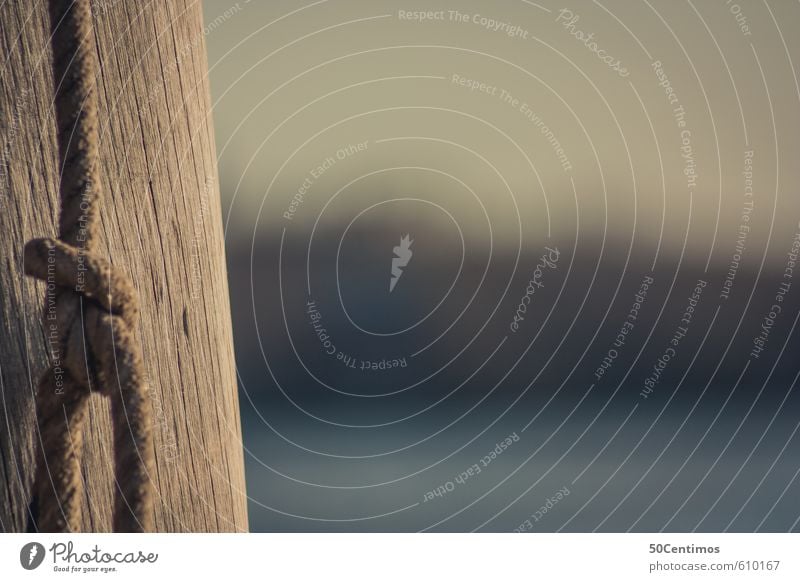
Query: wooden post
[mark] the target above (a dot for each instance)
(161, 221)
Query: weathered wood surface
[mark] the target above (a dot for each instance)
(161, 222)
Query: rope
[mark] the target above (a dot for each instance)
(90, 312)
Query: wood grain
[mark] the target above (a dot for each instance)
(161, 223)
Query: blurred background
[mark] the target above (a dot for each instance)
(593, 326)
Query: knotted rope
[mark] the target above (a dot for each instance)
(90, 312)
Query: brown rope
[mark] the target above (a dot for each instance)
(90, 312)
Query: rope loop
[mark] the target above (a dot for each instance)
(91, 312)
